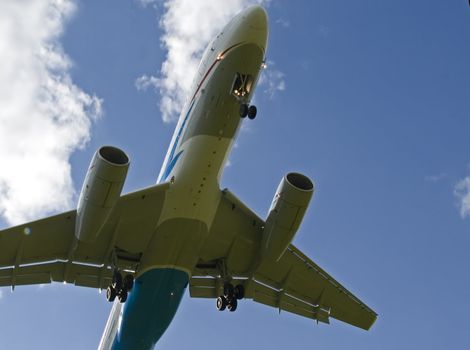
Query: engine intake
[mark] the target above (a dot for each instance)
(101, 190)
(285, 215)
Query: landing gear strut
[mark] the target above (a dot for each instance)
(230, 298)
(119, 287)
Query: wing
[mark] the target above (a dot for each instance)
(46, 250)
(294, 283)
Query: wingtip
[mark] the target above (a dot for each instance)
(372, 323)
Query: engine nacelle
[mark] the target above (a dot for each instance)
(285, 215)
(101, 190)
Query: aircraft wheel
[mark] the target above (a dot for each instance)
(239, 291)
(244, 110)
(110, 294)
(221, 303)
(122, 296)
(128, 282)
(252, 112)
(232, 306)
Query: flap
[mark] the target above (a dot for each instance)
(78, 274)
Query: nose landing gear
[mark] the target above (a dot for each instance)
(230, 298)
(120, 287)
(241, 87)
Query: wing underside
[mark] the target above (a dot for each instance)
(46, 250)
(294, 283)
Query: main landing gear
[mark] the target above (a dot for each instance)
(249, 111)
(119, 287)
(230, 298)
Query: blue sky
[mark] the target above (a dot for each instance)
(375, 108)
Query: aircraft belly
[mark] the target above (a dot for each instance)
(150, 308)
(176, 244)
(193, 166)
(195, 192)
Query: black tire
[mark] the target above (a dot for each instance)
(122, 296)
(128, 282)
(110, 294)
(239, 291)
(117, 281)
(232, 306)
(243, 110)
(252, 112)
(228, 289)
(221, 303)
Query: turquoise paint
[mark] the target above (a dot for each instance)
(171, 165)
(171, 160)
(150, 308)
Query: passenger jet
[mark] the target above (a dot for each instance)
(147, 247)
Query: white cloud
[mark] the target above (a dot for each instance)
(283, 22)
(462, 192)
(436, 178)
(44, 116)
(145, 81)
(323, 30)
(272, 80)
(188, 26)
(145, 3)
(1, 294)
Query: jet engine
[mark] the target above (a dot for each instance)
(285, 215)
(101, 190)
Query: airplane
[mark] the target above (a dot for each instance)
(146, 247)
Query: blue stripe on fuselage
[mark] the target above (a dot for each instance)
(150, 308)
(171, 165)
(172, 159)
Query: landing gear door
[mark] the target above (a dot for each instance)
(241, 87)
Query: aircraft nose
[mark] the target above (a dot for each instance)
(255, 17)
(253, 26)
